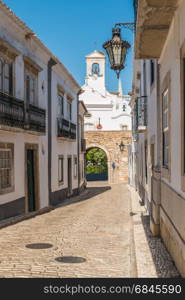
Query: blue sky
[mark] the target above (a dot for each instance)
(72, 29)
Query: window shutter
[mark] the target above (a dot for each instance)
(1, 75)
(6, 78)
(27, 89)
(11, 79)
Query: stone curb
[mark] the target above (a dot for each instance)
(144, 262)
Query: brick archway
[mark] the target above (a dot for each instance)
(109, 142)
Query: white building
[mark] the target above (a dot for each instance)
(39, 107)
(110, 109)
(108, 122)
(159, 120)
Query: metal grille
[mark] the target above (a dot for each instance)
(5, 168)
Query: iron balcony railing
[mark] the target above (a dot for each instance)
(72, 131)
(83, 145)
(11, 111)
(66, 129)
(36, 119)
(14, 114)
(141, 114)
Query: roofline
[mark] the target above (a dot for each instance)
(27, 29)
(82, 103)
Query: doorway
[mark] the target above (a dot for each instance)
(69, 176)
(31, 152)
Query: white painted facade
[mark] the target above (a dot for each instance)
(26, 52)
(165, 190)
(12, 36)
(110, 109)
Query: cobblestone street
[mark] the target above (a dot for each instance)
(92, 233)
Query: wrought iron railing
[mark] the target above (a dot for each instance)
(66, 129)
(36, 119)
(83, 145)
(13, 114)
(11, 111)
(63, 127)
(72, 131)
(141, 114)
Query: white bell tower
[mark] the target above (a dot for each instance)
(95, 70)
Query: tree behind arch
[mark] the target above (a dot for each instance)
(96, 160)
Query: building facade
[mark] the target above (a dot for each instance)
(108, 121)
(38, 122)
(158, 120)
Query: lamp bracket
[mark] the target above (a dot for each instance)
(130, 26)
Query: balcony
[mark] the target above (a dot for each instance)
(11, 111)
(141, 108)
(154, 18)
(14, 116)
(83, 145)
(66, 129)
(72, 131)
(36, 119)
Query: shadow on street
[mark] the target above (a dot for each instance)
(87, 194)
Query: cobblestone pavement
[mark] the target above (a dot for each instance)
(96, 227)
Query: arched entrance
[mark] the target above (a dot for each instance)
(97, 166)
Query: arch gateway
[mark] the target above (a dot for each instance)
(117, 160)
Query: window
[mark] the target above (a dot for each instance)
(88, 115)
(61, 169)
(31, 79)
(152, 72)
(60, 105)
(95, 69)
(6, 76)
(165, 107)
(75, 166)
(146, 161)
(81, 170)
(69, 109)
(6, 168)
(124, 127)
(124, 107)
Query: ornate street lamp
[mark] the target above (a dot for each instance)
(117, 48)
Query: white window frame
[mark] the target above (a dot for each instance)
(61, 170)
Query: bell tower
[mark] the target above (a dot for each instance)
(95, 70)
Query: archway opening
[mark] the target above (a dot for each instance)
(96, 164)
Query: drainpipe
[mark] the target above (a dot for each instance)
(78, 142)
(158, 114)
(51, 63)
(78, 136)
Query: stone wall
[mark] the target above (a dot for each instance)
(109, 141)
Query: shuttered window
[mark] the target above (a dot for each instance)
(6, 76)
(6, 169)
(165, 106)
(75, 166)
(60, 169)
(31, 80)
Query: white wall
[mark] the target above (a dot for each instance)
(61, 146)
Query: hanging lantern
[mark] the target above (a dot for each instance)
(116, 50)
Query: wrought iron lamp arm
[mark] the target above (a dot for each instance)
(130, 26)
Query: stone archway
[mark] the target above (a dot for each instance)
(109, 142)
(91, 146)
